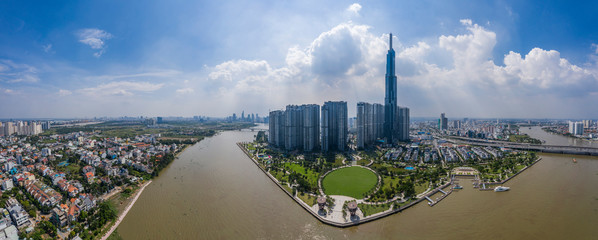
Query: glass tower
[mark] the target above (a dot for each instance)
(390, 101)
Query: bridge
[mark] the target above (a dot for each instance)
(526, 146)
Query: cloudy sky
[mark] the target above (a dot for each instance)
(523, 59)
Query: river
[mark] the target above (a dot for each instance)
(213, 191)
(556, 139)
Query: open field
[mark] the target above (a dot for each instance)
(350, 181)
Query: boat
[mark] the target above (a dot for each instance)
(457, 187)
(574, 160)
(501, 189)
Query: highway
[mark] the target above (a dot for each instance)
(525, 146)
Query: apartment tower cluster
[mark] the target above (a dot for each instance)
(23, 128)
(389, 121)
(307, 128)
(302, 128)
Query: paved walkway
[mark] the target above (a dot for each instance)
(337, 210)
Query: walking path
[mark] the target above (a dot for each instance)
(122, 216)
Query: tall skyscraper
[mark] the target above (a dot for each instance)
(390, 101)
(334, 126)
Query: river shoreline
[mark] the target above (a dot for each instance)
(345, 224)
(124, 213)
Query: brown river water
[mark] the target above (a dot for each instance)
(213, 191)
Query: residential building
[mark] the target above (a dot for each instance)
(443, 122)
(403, 124)
(370, 123)
(334, 126)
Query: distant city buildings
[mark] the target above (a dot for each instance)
(576, 128)
(250, 117)
(587, 123)
(23, 128)
(442, 122)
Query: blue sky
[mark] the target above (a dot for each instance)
(525, 59)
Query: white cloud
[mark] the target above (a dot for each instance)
(185, 91)
(63, 92)
(123, 88)
(95, 38)
(12, 72)
(354, 8)
(455, 73)
(47, 48)
(149, 74)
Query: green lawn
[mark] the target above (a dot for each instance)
(368, 210)
(306, 198)
(388, 182)
(421, 187)
(312, 177)
(350, 181)
(279, 175)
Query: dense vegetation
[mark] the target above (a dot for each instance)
(524, 138)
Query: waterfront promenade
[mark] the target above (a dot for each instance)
(337, 223)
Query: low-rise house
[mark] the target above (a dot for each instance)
(85, 202)
(18, 215)
(59, 217)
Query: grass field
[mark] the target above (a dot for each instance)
(368, 210)
(308, 199)
(312, 177)
(350, 181)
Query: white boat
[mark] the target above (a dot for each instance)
(501, 189)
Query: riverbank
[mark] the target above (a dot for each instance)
(124, 213)
(509, 178)
(353, 222)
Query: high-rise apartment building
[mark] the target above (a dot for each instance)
(403, 124)
(576, 128)
(442, 122)
(311, 127)
(296, 128)
(587, 123)
(276, 128)
(334, 126)
(370, 123)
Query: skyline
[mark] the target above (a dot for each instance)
(485, 60)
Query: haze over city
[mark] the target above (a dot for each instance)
(531, 59)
